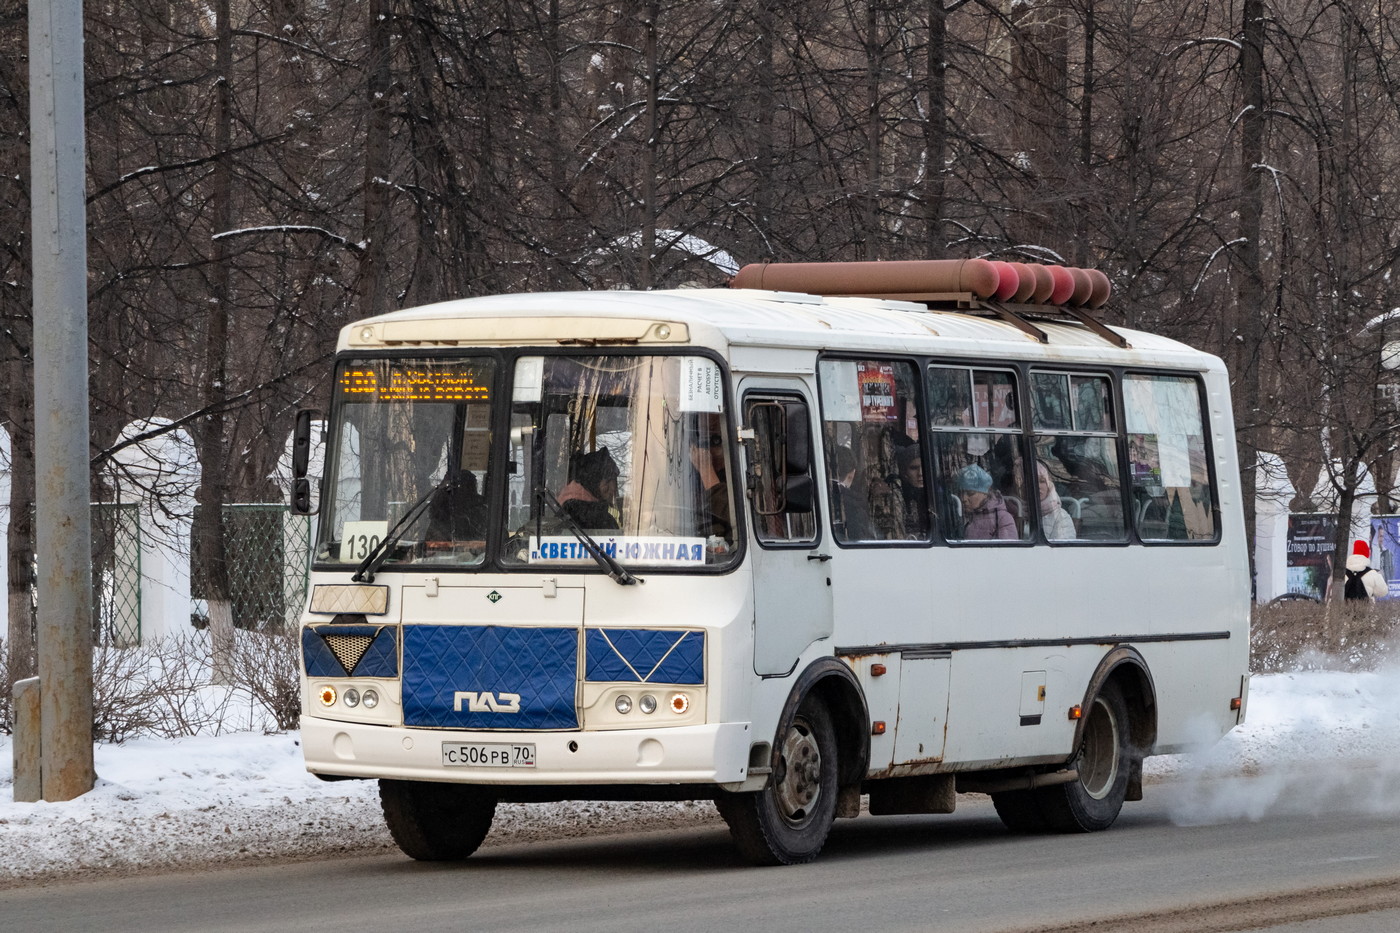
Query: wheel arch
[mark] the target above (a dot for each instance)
(836, 686)
(1125, 667)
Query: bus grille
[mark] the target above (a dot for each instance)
(490, 677)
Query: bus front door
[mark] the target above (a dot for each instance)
(791, 579)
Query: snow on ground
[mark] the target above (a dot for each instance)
(1314, 742)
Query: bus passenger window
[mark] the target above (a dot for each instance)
(978, 454)
(875, 472)
(780, 470)
(1172, 499)
(1079, 493)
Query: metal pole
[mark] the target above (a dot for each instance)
(62, 486)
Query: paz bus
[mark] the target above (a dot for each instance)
(836, 537)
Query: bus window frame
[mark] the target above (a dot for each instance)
(779, 394)
(1115, 384)
(935, 533)
(1202, 397)
(1020, 386)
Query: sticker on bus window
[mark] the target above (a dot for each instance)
(359, 538)
(701, 389)
(662, 551)
(529, 379)
(840, 391)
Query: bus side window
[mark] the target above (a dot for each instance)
(1079, 491)
(1172, 498)
(782, 494)
(978, 453)
(875, 470)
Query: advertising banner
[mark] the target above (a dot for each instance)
(1311, 542)
(1385, 551)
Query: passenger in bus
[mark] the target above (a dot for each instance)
(1058, 524)
(712, 488)
(589, 496)
(909, 479)
(984, 513)
(457, 511)
(850, 512)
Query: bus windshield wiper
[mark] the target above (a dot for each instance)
(364, 573)
(595, 551)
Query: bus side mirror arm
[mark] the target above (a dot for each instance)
(301, 503)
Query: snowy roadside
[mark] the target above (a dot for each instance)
(1314, 741)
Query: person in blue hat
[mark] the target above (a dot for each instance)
(984, 513)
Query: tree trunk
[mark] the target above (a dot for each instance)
(372, 277)
(936, 130)
(20, 604)
(212, 434)
(1249, 297)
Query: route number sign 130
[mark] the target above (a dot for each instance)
(359, 538)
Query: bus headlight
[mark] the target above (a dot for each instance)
(623, 704)
(327, 695)
(679, 703)
(352, 697)
(370, 699)
(647, 703)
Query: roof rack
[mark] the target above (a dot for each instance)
(1015, 292)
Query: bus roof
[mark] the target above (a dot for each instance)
(724, 319)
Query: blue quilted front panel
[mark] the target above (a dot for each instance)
(653, 656)
(489, 677)
(380, 659)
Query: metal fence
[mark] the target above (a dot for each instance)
(116, 575)
(269, 552)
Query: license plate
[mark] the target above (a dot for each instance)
(488, 755)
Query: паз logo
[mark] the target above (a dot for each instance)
(486, 702)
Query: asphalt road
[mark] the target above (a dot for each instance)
(1328, 873)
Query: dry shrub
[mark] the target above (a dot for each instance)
(160, 688)
(1291, 635)
(268, 666)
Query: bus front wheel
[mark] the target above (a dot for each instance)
(436, 822)
(787, 822)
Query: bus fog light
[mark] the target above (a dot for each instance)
(679, 703)
(352, 698)
(647, 703)
(623, 704)
(370, 699)
(327, 695)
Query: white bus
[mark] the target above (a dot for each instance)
(903, 530)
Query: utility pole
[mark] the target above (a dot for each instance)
(62, 486)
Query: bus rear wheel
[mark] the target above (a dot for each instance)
(1103, 761)
(436, 822)
(787, 822)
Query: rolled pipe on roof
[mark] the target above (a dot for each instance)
(909, 277)
(1018, 282)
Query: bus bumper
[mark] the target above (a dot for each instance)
(705, 754)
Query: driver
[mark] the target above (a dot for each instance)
(588, 497)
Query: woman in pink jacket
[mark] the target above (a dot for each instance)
(984, 513)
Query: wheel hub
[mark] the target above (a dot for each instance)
(799, 774)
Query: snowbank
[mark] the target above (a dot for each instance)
(1314, 742)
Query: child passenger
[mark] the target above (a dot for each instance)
(984, 513)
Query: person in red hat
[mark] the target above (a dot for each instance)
(1363, 580)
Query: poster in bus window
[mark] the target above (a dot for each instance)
(1385, 551)
(877, 393)
(1311, 543)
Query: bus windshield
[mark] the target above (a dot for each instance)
(631, 450)
(624, 454)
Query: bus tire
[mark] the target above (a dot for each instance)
(1020, 811)
(436, 822)
(1103, 761)
(787, 822)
